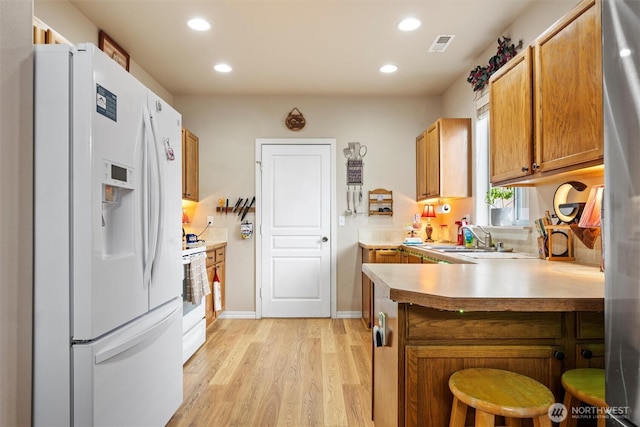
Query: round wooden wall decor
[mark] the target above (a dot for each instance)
(295, 121)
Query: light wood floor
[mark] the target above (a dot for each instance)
(279, 372)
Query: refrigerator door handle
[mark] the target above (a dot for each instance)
(150, 333)
(159, 192)
(151, 199)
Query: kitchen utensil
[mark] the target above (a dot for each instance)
(347, 152)
(349, 212)
(355, 207)
(360, 153)
(247, 208)
(243, 206)
(226, 207)
(235, 208)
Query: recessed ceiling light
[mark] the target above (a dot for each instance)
(409, 24)
(222, 68)
(198, 24)
(389, 68)
(624, 52)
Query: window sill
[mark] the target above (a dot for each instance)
(512, 232)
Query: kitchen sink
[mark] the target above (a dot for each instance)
(455, 249)
(461, 249)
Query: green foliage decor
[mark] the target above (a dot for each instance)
(499, 196)
(479, 76)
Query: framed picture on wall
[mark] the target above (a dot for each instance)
(113, 50)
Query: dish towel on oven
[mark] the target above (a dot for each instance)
(197, 281)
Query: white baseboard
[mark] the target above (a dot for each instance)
(348, 315)
(237, 315)
(252, 315)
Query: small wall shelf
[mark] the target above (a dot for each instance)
(380, 202)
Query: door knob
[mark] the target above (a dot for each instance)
(325, 239)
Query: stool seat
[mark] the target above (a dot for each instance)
(498, 392)
(583, 385)
(586, 384)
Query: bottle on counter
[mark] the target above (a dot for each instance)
(460, 236)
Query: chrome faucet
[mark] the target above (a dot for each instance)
(486, 242)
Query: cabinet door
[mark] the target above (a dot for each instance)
(511, 115)
(568, 97)
(190, 173)
(421, 167)
(432, 149)
(428, 369)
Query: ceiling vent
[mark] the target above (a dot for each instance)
(441, 43)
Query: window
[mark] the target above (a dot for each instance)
(481, 175)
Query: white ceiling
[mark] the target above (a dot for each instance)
(303, 47)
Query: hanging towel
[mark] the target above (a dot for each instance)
(217, 292)
(197, 281)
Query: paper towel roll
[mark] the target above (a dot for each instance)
(443, 209)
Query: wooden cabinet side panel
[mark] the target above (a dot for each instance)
(387, 371)
(568, 74)
(511, 119)
(455, 158)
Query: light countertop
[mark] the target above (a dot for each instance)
(528, 284)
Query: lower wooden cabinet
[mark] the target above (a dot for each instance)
(428, 368)
(425, 346)
(215, 263)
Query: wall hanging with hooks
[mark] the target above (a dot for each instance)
(354, 153)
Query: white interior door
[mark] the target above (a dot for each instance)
(296, 230)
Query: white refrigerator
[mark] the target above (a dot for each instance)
(107, 258)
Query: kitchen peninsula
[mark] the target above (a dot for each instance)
(531, 316)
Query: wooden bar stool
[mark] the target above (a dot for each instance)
(497, 392)
(583, 385)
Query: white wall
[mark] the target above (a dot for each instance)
(16, 192)
(69, 22)
(228, 126)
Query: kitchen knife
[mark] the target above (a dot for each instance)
(243, 206)
(226, 207)
(237, 204)
(247, 209)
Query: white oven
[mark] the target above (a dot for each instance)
(194, 326)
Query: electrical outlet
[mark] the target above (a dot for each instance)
(210, 220)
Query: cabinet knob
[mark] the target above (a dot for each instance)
(558, 355)
(536, 166)
(325, 239)
(586, 353)
(524, 169)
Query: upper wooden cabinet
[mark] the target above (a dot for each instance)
(511, 113)
(546, 106)
(568, 97)
(443, 160)
(190, 173)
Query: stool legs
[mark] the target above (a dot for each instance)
(513, 422)
(485, 419)
(458, 413)
(570, 402)
(542, 421)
